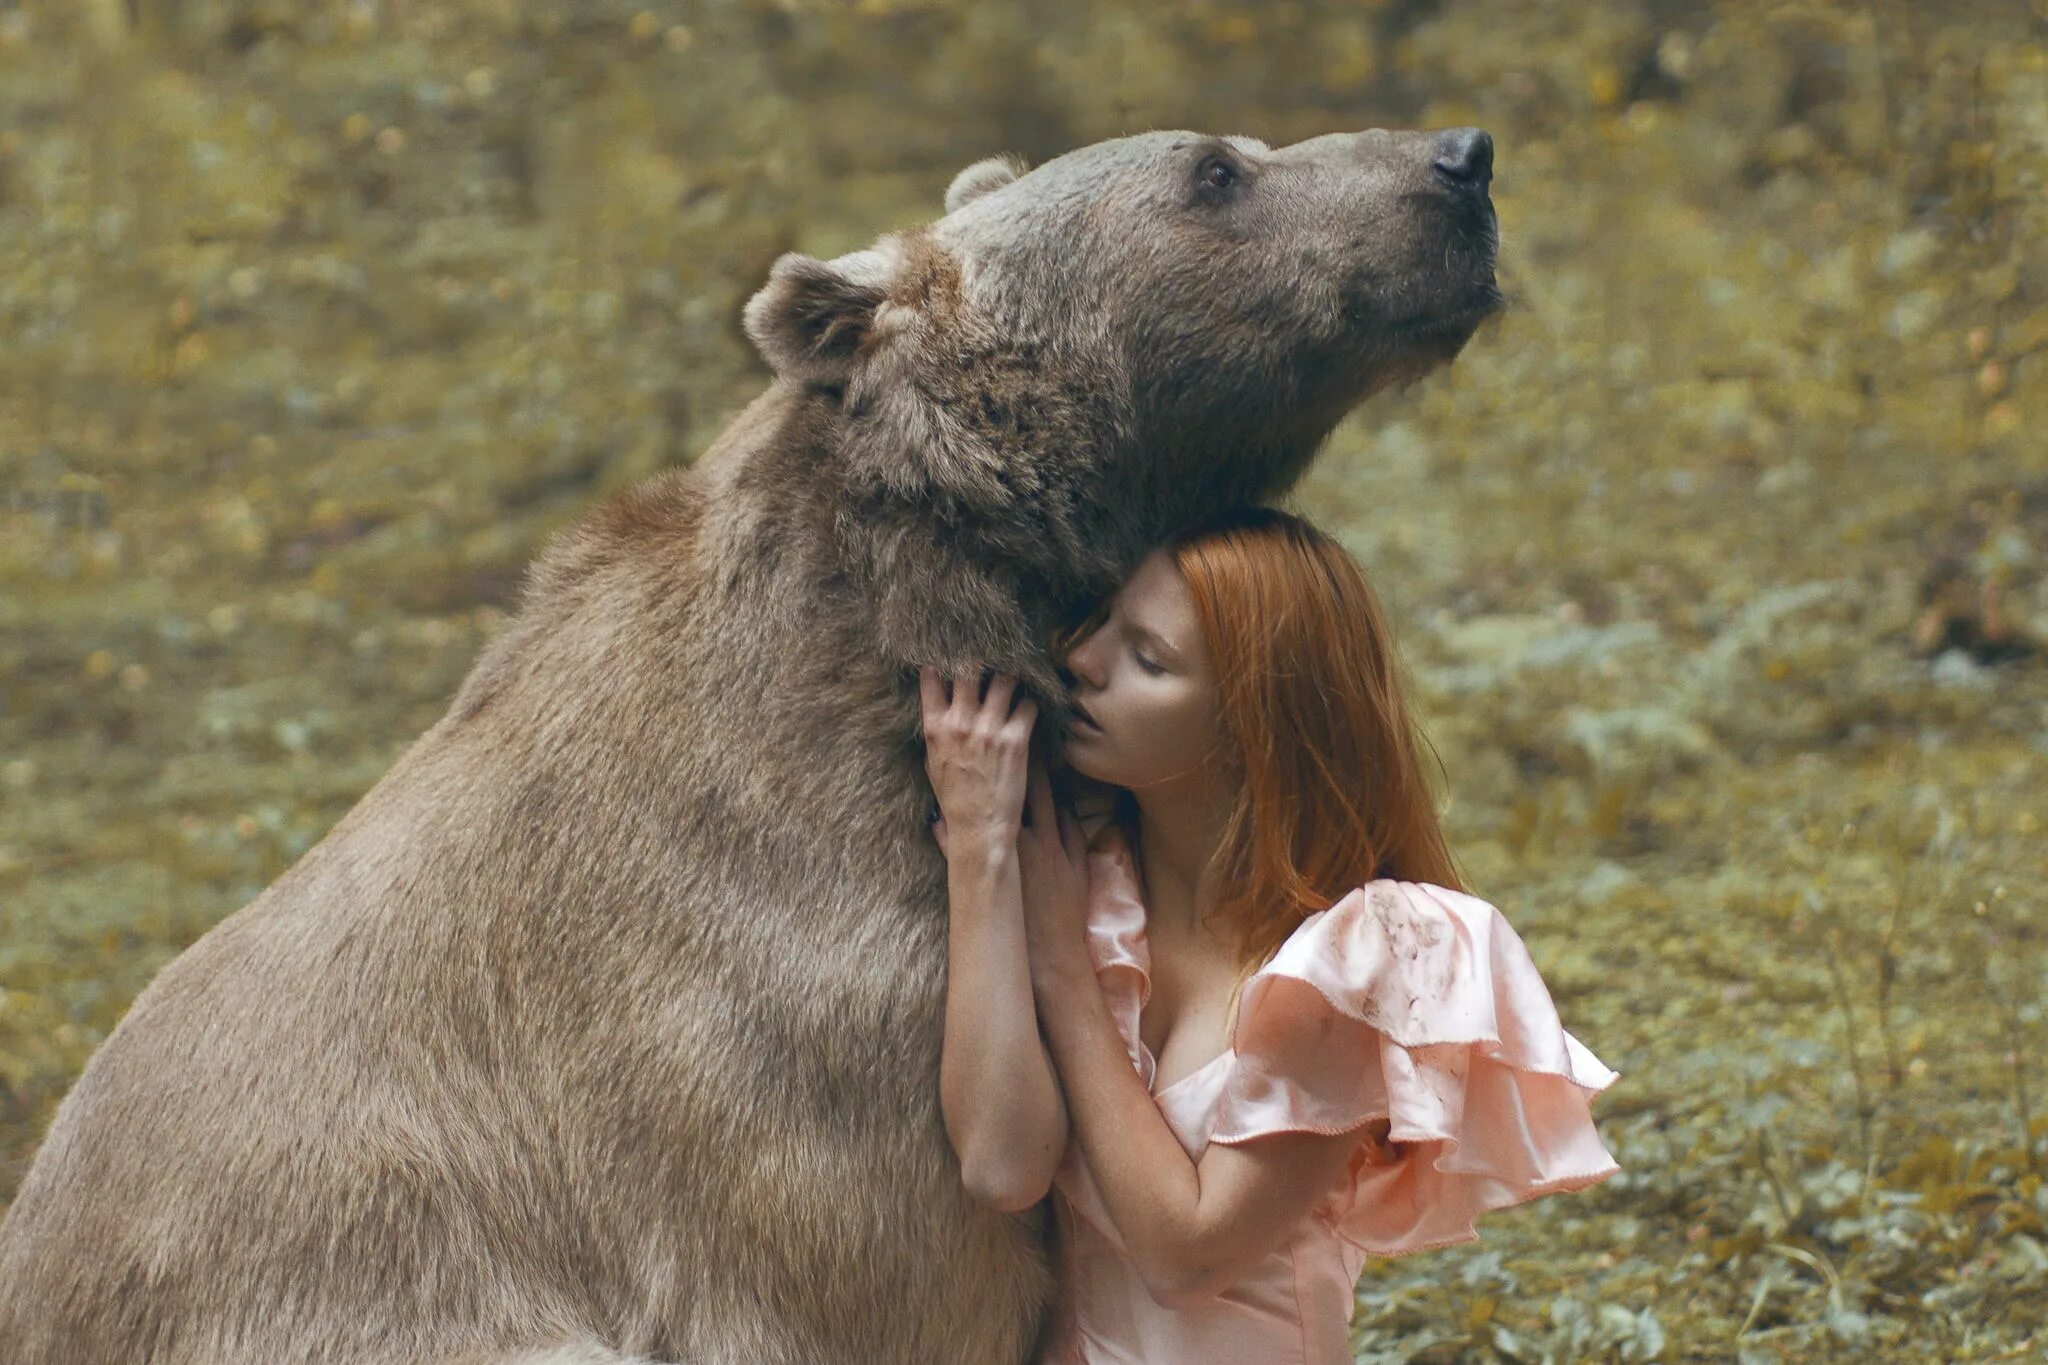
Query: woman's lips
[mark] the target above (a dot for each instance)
(1088, 721)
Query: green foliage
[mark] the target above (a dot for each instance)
(1717, 561)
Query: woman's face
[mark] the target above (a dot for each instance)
(1144, 678)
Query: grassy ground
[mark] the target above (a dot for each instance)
(1718, 560)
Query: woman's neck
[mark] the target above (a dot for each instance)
(1180, 827)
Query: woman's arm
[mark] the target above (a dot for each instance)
(1003, 1109)
(1001, 1104)
(1193, 1230)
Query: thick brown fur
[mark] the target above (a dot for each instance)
(606, 1025)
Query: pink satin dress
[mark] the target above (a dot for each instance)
(1406, 1011)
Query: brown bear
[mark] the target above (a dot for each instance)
(606, 1025)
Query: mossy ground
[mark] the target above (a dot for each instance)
(1717, 560)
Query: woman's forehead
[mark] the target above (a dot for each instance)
(1157, 597)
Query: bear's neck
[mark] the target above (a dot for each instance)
(1008, 469)
(976, 517)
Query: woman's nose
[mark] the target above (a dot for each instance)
(1077, 664)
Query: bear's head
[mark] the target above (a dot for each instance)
(1079, 358)
(1242, 290)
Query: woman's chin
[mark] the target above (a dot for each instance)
(1079, 742)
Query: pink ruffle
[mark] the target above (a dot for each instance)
(1420, 1005)
(1404, 1002)
(1116, 943)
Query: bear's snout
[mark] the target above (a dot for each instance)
(1464, 159)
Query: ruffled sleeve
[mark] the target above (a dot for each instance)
(1415, 1013)
(1122, 962)
(1116, 941)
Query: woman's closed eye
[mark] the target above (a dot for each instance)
(1144, 662)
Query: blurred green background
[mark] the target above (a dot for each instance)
(1717, 559)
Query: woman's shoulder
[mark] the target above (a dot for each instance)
(1394, 926)
(1423, 965)
(1416, 1007)
(1392, 902)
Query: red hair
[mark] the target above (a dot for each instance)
(1312, 697)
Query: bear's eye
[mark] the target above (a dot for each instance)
(1217, 174)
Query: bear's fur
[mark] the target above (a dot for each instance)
(607, 1023)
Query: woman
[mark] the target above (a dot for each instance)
(1256, 1031)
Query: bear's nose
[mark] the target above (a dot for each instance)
(1464, 157)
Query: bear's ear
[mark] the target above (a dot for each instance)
(990, 173)
(812, 315)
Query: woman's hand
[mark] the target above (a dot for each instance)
(975, 752)
(1052, 860)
